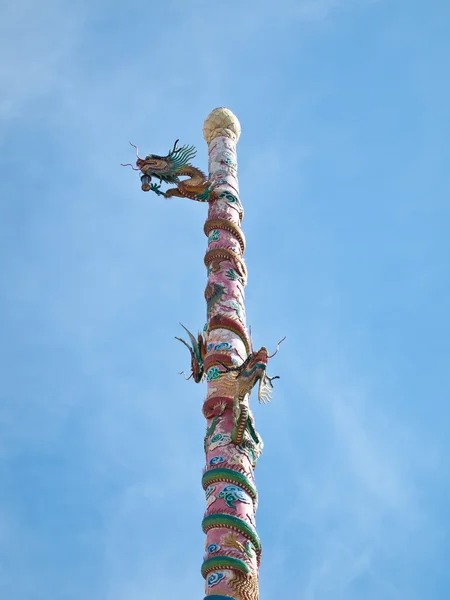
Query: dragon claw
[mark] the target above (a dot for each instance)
(157, 189)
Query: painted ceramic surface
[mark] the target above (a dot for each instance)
(230, 508)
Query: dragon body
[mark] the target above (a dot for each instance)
(196, 187)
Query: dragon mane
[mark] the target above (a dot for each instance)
(176, 160)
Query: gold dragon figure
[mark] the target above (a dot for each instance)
(245, 377)
(169, 169)
(250, 372)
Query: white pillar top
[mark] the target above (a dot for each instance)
(221, 122)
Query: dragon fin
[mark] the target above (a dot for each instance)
(264, 394)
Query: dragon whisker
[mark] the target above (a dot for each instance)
(129, 165)
(184, 375)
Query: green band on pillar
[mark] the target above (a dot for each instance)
(234, 523)
(216, 597)
(229, 476)
(224, 562)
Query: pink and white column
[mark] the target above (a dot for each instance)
(232, 446)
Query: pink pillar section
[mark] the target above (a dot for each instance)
(232, 445)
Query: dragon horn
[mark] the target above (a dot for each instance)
(191, 337)
(278, 346)
(174, 147)
(185, 343)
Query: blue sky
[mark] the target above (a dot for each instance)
(344, 177)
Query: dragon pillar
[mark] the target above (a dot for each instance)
(232, 445)
(222, 354)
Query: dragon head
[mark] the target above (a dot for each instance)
(198, 353)
(262, 356)
(153, 164)
(165, 168)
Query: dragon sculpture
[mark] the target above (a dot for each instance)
(169, 169)
(246, 376)
(252, 371)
